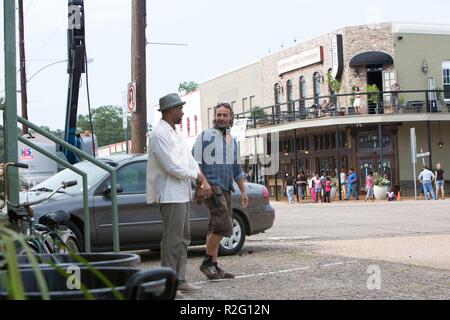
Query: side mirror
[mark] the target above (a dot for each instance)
(107, 191)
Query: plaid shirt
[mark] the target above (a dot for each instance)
(218, 161)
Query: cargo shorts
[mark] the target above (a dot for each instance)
(220, 212)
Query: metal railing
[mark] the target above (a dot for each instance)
(343, 105)
(107, 168)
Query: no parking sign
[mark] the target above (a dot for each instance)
(131, 93)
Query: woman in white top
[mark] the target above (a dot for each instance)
(357, 102)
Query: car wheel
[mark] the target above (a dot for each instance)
(78, 234)
(232, 245)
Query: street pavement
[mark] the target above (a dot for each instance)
(343, 250)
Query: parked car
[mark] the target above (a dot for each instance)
(139, 223)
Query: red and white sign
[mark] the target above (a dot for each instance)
(27, 154)
(131, 97)
(301, 60)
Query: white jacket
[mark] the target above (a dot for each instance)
(170, 168)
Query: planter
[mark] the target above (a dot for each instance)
(160, 283)
(380, 192)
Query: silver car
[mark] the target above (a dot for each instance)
(139, 223)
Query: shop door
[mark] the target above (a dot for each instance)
(365, 166)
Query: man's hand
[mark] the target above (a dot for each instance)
(244, 200)
(202, 189)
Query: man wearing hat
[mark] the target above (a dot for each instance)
(170, 170)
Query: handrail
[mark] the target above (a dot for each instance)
(297, 109)
(339, 95)
(87, 229)
(84, 155)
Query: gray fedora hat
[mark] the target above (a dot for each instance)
(170, 101)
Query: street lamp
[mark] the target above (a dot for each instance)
(51, 64)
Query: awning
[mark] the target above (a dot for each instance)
(371, 57)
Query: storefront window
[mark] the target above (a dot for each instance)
(446, 79)
(372, 142)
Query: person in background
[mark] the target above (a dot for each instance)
(249, 176)
(311, 188)
(343, 177)
(289, 187)
(439, 181)
(357, 101)
(390, 195)
(369, 187)
(317, 188)
(352, 184)
(426, 177)
(327, 191)
(301, 184)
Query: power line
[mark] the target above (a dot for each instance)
(29, 6)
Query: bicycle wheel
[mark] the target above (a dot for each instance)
(33, 245)
(72, 245)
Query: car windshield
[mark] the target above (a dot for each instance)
(94, 176)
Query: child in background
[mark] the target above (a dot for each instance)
(327, 190)
(390, 195)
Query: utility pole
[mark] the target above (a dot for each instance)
(138, 74)
(23, 74)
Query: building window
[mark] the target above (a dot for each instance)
(446, 79)
(388, 85)
(289, 99)
(372, 142)
(317, 80)
(302, 93)
(252, 102)
(277, 93)
(244, 105)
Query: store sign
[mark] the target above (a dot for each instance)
(239, 129)
(301, 60)
(337, 56)
(27, 154)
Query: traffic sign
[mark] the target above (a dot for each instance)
(424, 154)
(131, 97)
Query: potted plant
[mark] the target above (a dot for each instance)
(381, 187)
(335, 86)
(257, 114)
(402, 102)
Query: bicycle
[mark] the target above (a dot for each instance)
(48, 236)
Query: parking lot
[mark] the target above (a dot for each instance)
(343, 250)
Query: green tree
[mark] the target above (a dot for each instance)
(335, 84)
(107, 123)
(187, 87)
(257, 113)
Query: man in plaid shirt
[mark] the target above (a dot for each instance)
(216, 153)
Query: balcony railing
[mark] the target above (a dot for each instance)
(343, 105)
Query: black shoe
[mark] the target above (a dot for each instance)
(209, 271)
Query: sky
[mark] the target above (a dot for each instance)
(220, 35)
